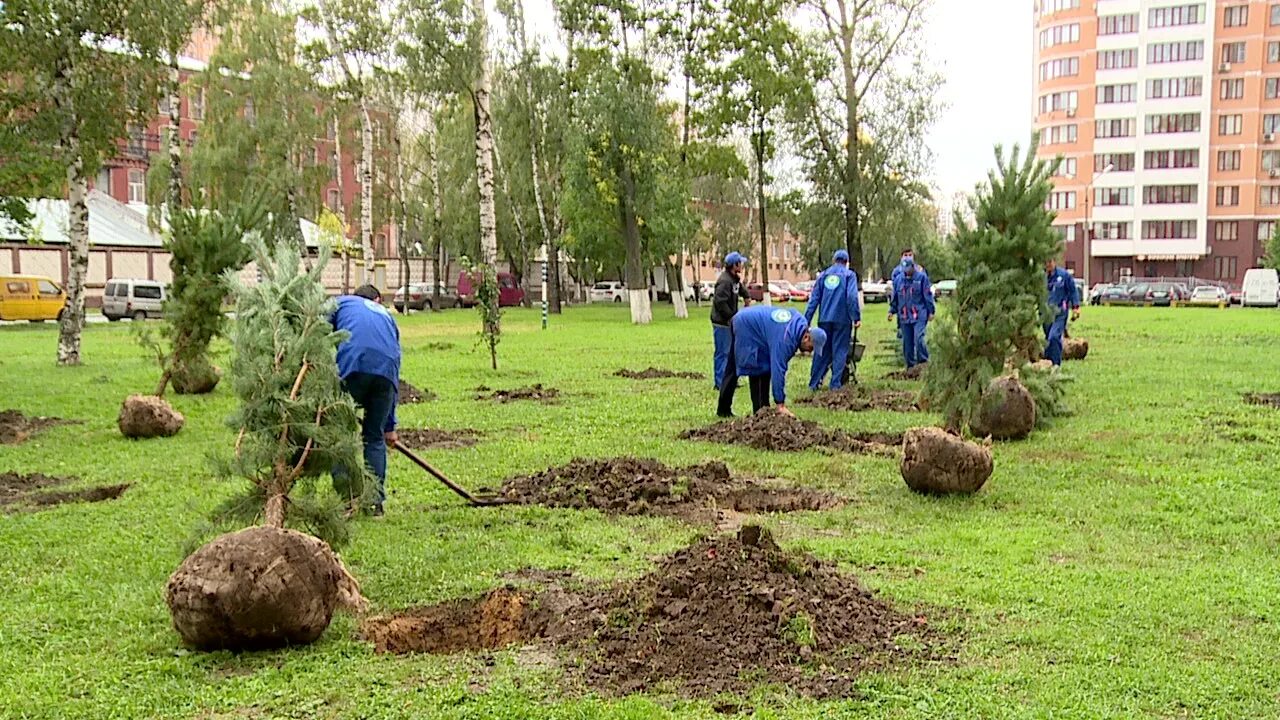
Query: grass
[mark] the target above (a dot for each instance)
(1119, 565)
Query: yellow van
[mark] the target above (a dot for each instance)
(30, 297)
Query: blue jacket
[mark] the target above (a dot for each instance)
(836, 293)
(764, 341)
(374, 345)
(1063, 293)
(912, 298)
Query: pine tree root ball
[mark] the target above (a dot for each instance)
(1008, 411)
(935, 462)
(147, 416)
(195, 379)
(259, 588)
(1075, 349)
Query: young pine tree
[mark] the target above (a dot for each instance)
(1000, 301)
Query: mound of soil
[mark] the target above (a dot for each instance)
(19, 490)
(1075, 349)
(653, 373)
(410, 395)
(262, 587)
(439, 346)
(1268, 399)
(436, 439)
(771, 430)
(1008, 411)
(16, 427)
(935, 462)
(721, 616)
(915, 373)
(533, 392)
(147, 416)
(856, 398)
(632, 486)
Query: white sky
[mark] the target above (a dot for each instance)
(982, 48)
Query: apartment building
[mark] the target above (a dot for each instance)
(1167, 116)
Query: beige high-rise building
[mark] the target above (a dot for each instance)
(1167, 115)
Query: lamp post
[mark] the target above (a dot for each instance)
(1088, 222)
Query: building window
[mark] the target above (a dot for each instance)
(1230, 124)
(1058, 134)
(1052, 6)
(1235, 16)
(195, 104)
(1269, 195)
(1060, 35)
(1176, 15)
(1228, 195)
(1226, 231)
(1228, 159)
(137, 186)
(1170, 52)
(1169, 159)
(1174, 87)
(1273, 88)
(1063, 200)
(333, 201)
(1233, 52)
(1118, 59)
(1275, 14)
(1231, 89)
(1062, 67)
(1273, 50)
(1116, 93)
(1266, 229)
(1173, 123)
(1066, 168)
(1270, 160)
(1168, 229)
(1054, 102)
(1066, 233)
(1112, 230)
(1119, 162)
(1112, 196)
(1115, 128)
(1270, 123)
(1169, 194)
(162, 106)
(1224, 268)
(1118, 24)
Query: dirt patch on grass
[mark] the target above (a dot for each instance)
(721, 616)
(436, 346)
(633, 486)
(915, 373)
(17, 490)
(653, 373)
(15, 427)
(410, 395)
(437, 439)
(536, 392)
(1267, 399)
(769, 430)
(855, 398)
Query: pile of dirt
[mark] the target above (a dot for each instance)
(410, 395)
(19, 490)
(722, 616)
(533, 392)
(633, 486)
(914, 373)
(653, 373)
(438, 439)
(771, 430)
(438, 346)
(15, 427)
(855, 398)
(1268, 399)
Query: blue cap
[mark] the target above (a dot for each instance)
(908, 264)
(733, 258)
(819, 337)
(841, 256)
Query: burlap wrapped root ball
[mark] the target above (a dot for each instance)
(938, 463)
(148, 416)
(262, 587)
(1008, 411)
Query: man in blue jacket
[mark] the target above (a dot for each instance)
(909, 254)
(1063, 296)
(369, 364)
(724, 305)
(764, 341)
(912, 304)
(836, 294)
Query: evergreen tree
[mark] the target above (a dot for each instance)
(1001, 298)
(295, 423)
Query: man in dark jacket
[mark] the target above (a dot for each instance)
(724, 305)
(369, 364)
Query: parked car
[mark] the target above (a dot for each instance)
(1261, 287)
(1095, 295)
(137, 299)
(509, 292)
(943, 288)
(806, 285)
(1235, 297)
(607, 291)
(795, 293)
(1127, 295)
(1162, 294)
(30, 297)
(1208, 296)
(875, 292)
(421, 298)
(705, 289)
(776, 293)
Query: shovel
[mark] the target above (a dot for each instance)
(475, 501)
(855, 357)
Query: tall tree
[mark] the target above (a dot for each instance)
(76, 73)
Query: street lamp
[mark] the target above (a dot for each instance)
(1088, 222)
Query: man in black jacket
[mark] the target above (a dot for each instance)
(724, 305)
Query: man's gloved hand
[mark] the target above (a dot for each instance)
(391, 437)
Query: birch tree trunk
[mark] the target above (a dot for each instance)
(78, 233)
(402, 236)
(677, 290)
(341, 210)
(366, 190)
(484, 145)
(175, 140)
(437, 213)
(637, 285)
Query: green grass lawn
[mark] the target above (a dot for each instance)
(1121, 564)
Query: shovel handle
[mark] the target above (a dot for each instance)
(461, 491)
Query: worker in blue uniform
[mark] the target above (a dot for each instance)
(912, 305)
(835, 296)
(1063, 296)
(724, 305)
(909, 254)
(369, 365)
(765, 339)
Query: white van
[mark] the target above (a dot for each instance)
(137, 299)
(1261, 288)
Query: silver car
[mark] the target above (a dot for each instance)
(137, 299)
